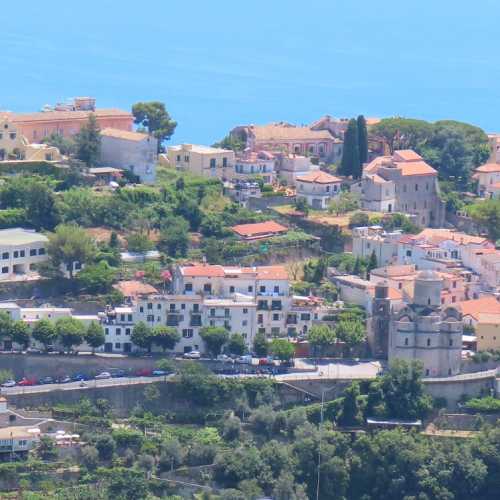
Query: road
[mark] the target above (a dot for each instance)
(337, 369)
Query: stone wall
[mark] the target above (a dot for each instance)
(269, 201)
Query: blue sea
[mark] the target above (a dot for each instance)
(220, 63)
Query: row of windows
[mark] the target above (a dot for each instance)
(416, 187)
(172, 307)
(429, 343)
(207, 288)
(12, 136)
(118, 331)
(16, 254)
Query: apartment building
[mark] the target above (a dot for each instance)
(241, 300)
(202, 160)
(291, 165)
(405, 183)
(366, 240)
(488, 179)
(20, 251)
(318, 188)
(252, 164)
(132, 151)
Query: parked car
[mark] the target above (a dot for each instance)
(119, 373)
(46, 380)
(159, 373)
(64, 380)
(79, 377)
(26, 381)
(143, 372)
(103, 376)
(192, 355)
(246, 359)
(9, 383)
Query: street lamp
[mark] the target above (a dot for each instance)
(323, 392)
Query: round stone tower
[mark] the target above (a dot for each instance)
(428, 287)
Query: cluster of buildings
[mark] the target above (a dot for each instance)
(21, 136)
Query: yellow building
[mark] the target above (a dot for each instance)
(202, 160)
(488, 331)
(14, 146)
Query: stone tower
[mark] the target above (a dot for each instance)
(425, 331)
(378, 333)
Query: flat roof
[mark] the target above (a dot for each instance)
(19, 236)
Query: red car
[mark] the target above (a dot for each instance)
(144, 372)
(27, 381)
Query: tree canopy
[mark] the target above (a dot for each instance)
(154, 117)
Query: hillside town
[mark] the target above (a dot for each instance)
(345, 271)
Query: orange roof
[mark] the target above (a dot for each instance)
(123, 134)
(415, 168)
(475, 307)
(393, 293)
(134, 288)
(438, 235)
(392, 271)
(259, 229)
(319, 177)
(203, 271)
(488, 168)
(406, 155)
(44, 116)
(272, 273)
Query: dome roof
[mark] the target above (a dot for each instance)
(428, 275)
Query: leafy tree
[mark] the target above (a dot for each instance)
(236, 344)
(20, 333)
(214, 338)
(350, 163)
(44, 332)
(155, 118)
(320, 337)
(90, 457)
(139, 242)
(402, 133)
(231, 428)
(70, 244)
(351, 332)
(88, 142)
(40, 206)
(127, 484)
(260, 345)
(106, 446)
(97, 278)
(165, 336)
(66, 146)
(174, 237)
(486, 214)
(372, 264)
(343, 203)
(359, 219)
(231, 142)
(172, 454)
(282, 349)
(301, 205)
(94, 336)
(70, 331)
(142, 336)
(362, 141)
(47, 448)
(351, 412)
(243, 463)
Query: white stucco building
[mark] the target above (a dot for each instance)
(251, 164)
(131, 151)
(318, 188)
(20, 251)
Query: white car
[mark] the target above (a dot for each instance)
(103, 376)
(192, 355)
(9, 383)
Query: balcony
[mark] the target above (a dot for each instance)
(172, 320)
(195, 320)
(291, 320)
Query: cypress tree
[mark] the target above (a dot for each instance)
(362, 142)
(372, 264)
(350, 156)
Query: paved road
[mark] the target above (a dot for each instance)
(77, 385)
(326, 370)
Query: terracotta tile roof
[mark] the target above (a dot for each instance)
(377, 179)
(436, 236)
(488, 168)
(272, 273)
(406, 155)
(259, 229)
(476, 307)
(283, 132)
(415, 168)
(203, 271)
(319, 177)
(67, 115)
(134, 288)
(123, 134)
